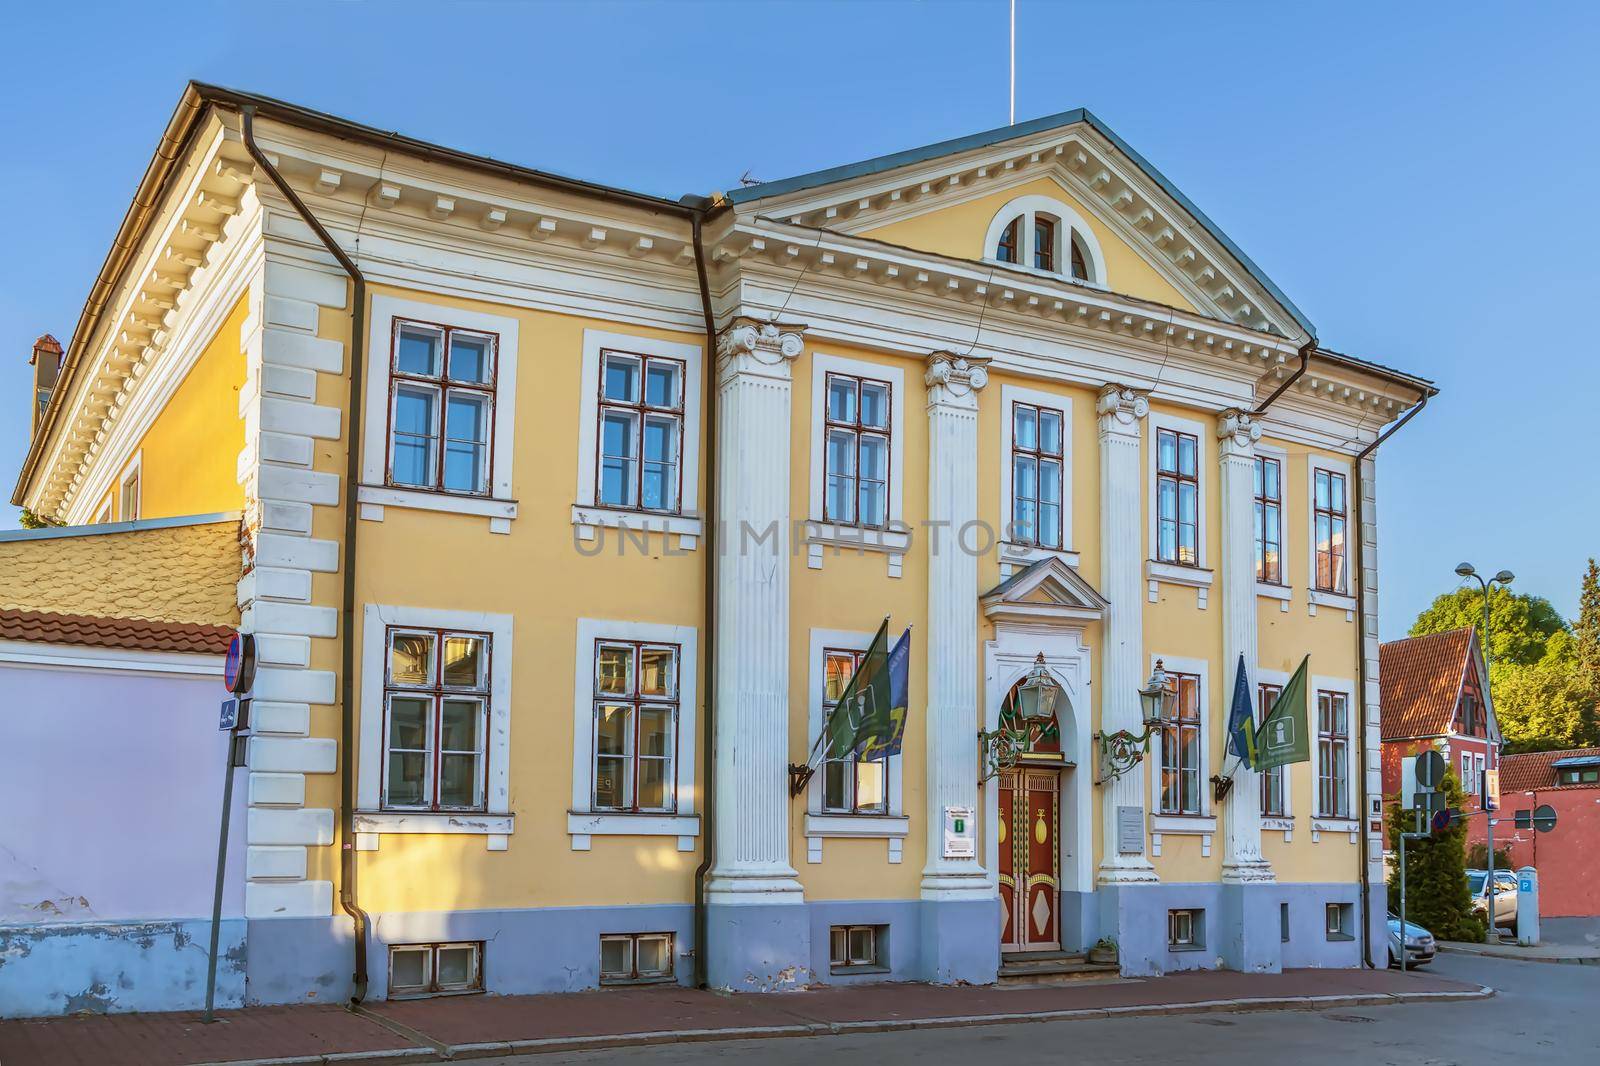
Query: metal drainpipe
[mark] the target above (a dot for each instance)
(708, 679)
(358, 317)
(1305, 363)
(1361, 673)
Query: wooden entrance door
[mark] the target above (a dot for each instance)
(1029, 832)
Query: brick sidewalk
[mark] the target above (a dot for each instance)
(419, 1030)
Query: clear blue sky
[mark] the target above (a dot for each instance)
(1416, 176)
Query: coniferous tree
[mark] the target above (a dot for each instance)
(1587, 630)
(1437, 895)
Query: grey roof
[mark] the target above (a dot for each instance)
(998, 135)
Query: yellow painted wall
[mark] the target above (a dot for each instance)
(959, 230)
(178, 574)
(190, 453)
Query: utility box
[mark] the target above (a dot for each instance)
(1527, 906)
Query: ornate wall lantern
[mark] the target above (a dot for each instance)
(1121, 751)
(1035, 705)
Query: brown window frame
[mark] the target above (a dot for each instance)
(1265, 695)
(855, 806)
(1189, 720)
(1008, 249)
(637, 703)
(1079, 256)
(640, 412)
(1269, 568)
(444, 385)
(1177, 479)
(1331, 569)
(830, 425)
(1045, 229)
(1331, 741)
(1039, 457)
(438, 692)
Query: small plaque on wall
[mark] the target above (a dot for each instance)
(1130, 830)
(960, 834)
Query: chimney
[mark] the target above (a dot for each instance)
(46, 363)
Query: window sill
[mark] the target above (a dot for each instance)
(865, 826)
(581, 825)
(820, 535)
(1340, 938)
(845, 971)
(590, 518)
(1196, 577)
(1335, 825)
(1336, 601)
(1020, 555)
(1176, 948)
(370, 825)
(1277, 823)
(1193, 824)
(635, 982)
(1269, 591)
(372, 499)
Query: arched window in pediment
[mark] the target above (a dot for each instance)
(1046, 236)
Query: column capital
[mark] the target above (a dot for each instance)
(954, 379)
(1120, 409)
(1237, 431)
(746, 344)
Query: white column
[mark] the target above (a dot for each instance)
(752, 679)
(1237, 434)
(1121, 582)
(952, 642)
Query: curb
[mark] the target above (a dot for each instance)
(438, 1052)
(1486, 953)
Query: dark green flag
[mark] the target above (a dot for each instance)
(1283, 737)
(859, 702)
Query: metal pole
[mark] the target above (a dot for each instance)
(1483, 794)
(222, 870)
(1402, 897)
(1013, 120)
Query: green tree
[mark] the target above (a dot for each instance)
(1587, 629)
(1521, 625)
(28, 520)
(1548, 705)
(1437, 896)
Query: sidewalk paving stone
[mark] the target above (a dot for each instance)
(469, 1025)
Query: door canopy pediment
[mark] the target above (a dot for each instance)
(1047, 591)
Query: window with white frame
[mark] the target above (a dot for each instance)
(1181, 753)
(1275, 780)
(441, 408)
(128, 496)
(1333, 754)
(435, 969)
(641, 432)
(436, 707)
(1269, 520)
(635, 958)
(635, 725)
(857, 424)
(1046, 236)
(856, 947)
(1340, 921)
(1186, 929)
(1328, 529)
(1177, 497)
(1038, 459)
(849, 785)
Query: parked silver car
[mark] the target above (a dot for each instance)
(1505, 896)
(1419, 945)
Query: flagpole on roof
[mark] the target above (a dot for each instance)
(1013, 120)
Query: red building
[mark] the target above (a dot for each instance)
(1434, 699)
(1567, 857)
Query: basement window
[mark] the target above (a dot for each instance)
(1283, 922)
(858, 948)
(1186, 930)
(435, 969)
(635, 958)
(1341, 921)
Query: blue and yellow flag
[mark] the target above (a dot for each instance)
(880, 735)
(869, 721)
(1241, 719)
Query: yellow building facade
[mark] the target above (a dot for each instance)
(569, 512)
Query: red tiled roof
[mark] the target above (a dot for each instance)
(1524, 773)
(47, 627)
(1421, 681)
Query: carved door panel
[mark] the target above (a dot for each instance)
(1008, 861)
(1029, 843)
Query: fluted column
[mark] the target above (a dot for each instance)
(952, 641)
(755, 939)
(1237, 434)
(1121, 564)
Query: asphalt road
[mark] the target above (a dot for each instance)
(1543, 1013)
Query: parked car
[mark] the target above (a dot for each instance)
(1419, 946)
(1505, 895)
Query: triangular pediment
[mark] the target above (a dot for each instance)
(1046, 590)
(946, 199)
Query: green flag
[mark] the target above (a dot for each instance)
(859, 702)
(1283, 737)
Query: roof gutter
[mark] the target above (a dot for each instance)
(146, 200)
(1358, 494)
(358, 360)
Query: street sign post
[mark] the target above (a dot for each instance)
(1430, 771)
(238, 674)
(1541, 819)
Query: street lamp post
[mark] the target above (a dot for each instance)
(1502, 579)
